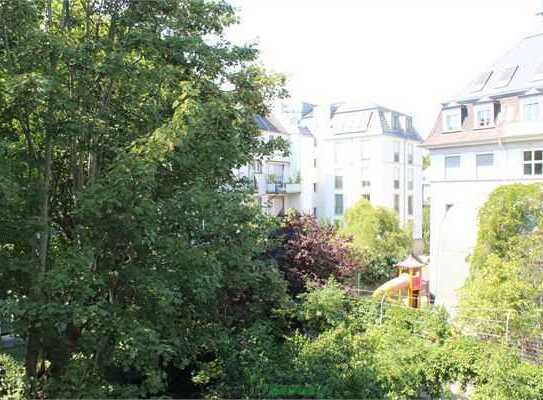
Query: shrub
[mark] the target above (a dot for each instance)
(12, 380)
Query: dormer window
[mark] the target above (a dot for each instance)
(409, 124)
(452, 120)
(484, 116)
(395, 121)
(531, 109)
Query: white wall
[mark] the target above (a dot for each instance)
(454, 232)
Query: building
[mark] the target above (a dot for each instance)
(277, 178)
(365, 152)
(490, 134)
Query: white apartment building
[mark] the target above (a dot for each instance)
(277, 178)
(365, 152)
(488, 135)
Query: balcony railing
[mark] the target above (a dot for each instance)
(276, 188)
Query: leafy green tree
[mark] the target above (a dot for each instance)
(127, 244)
(506, 275)
(378, 239)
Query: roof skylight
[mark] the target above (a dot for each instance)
(506, 77)
(480, 83)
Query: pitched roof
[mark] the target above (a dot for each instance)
(410, 262)
(367, 113)
(269, 124)
(519, 70)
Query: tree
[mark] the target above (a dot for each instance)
(378, 239)
(307, 251)
(127, 243)
(506, 274)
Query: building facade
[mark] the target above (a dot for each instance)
(277, 178)
(490, 134)
(366, 152)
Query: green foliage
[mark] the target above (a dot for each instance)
(127, 244)
(426, 213)
(378, 239)
(12, 378)
(506, 278)
(325, 307)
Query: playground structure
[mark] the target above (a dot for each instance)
(408, 286)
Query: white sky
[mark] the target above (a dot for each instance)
(408, 55)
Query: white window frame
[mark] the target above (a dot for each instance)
(396, 124)
(397, 201)
(396, 180)
(339, 179)
(410, 153)
(484, 171)
(396, 156)
(451, 113)
(338, 211)
(411, 179)
(448, 170)
(530, 101)
(410, 205)
(535, 162)
(487, 122)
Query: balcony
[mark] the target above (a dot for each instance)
(293, 188)
(276, 188)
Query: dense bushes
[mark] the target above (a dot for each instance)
(346, 350)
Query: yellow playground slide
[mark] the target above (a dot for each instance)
(395, 284)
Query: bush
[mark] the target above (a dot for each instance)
(310, 252)
(12, 380)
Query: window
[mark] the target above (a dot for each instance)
(315, 212)
(314, 163)
(410, 179)
(395, 121)
(339, 204)
(484, 116)
(396, 151)
(409, 124)
(410, 206)
(506, 77)
(315, 142)
(452, 166)
(533, 163)
(314, 188)
(338, 183)
(366, 196)
(397, 203)
(366, 184)
(396, 178)
(484, 162)
(452, 120)
(481, 81)
(410, 153)
(531, 109)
